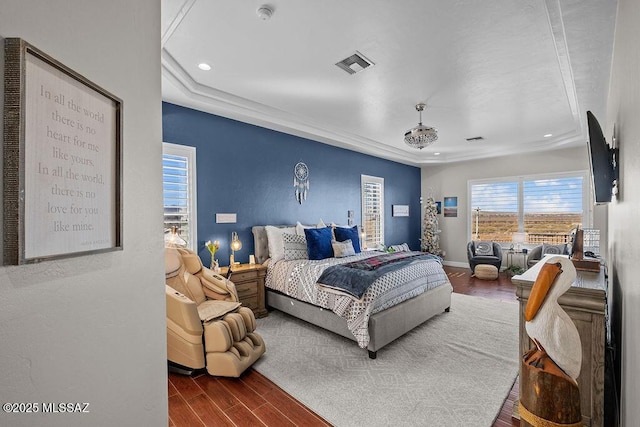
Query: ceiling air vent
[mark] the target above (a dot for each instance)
(355, 63)
(475, 138)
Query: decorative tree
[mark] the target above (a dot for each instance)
(430, 241)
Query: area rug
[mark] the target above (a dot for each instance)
(454, 370)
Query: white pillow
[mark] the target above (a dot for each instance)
(400, 248)
(333, 224)
(276, 245)
(300, 228)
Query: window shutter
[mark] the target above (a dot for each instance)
(497, 216)
(179, 190)
(547, 207)
(552, 208)
(373, 210)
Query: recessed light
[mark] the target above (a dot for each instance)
(204, 66)
(436, 154)
(548, 135)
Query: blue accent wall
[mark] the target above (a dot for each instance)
(248, 170)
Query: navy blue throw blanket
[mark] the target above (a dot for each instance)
(355, 277)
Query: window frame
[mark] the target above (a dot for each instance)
(189, 153)
(587, 205)
(366, 179)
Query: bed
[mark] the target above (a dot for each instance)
(393, 305)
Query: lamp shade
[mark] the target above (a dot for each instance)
(519, 237)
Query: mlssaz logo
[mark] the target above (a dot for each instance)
(65, 407)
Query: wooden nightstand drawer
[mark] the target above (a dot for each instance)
(246, 290)
(249, 281)
(243, 276)
(251, 302)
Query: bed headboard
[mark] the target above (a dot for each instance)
(261, 242)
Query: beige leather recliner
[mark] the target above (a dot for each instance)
(206, 324)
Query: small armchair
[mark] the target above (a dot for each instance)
(495, 259)
(206, 325)
(539, 251)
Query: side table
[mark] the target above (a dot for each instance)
(510, 260)
(249, 281)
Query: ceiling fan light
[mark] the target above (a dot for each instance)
(264, 12)
(420, 136)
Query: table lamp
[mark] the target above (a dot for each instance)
(236, 245)
(518, 238)
(173, 239)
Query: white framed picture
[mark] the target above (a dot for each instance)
(400, 210)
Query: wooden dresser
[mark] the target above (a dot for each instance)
(249, 281)
(586, 304)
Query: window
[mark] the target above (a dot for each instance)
(179, 190)
(372, 189)
(546, 207)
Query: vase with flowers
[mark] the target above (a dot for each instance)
(213, 247)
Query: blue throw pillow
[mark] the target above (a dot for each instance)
(352, 234)
(319, 242)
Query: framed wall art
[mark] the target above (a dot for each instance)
(62, 160)
(451, 206)
(399, 210)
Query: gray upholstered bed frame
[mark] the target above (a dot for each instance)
(384, 327)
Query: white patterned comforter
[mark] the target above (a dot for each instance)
(298, 280)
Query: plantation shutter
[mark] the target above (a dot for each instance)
(179, 191)
(546, 207)
(372, 189)
(494, 211)
(552, 208)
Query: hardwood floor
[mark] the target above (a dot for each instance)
(253, 400)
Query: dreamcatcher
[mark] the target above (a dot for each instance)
(301, 181)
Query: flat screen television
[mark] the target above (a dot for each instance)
(602, 158)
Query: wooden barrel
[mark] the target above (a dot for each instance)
(548, 396)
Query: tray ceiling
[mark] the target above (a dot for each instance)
(509, 71)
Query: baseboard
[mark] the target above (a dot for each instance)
(460, 264)
(611, 403)
(456, 264)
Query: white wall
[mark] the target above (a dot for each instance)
(623, 110)
(451, 180)
(92, 329)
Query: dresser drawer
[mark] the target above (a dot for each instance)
(251, 302)
(246, 290)
(249, 281)
(243, 276)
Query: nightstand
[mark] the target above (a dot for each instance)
(249, 281)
